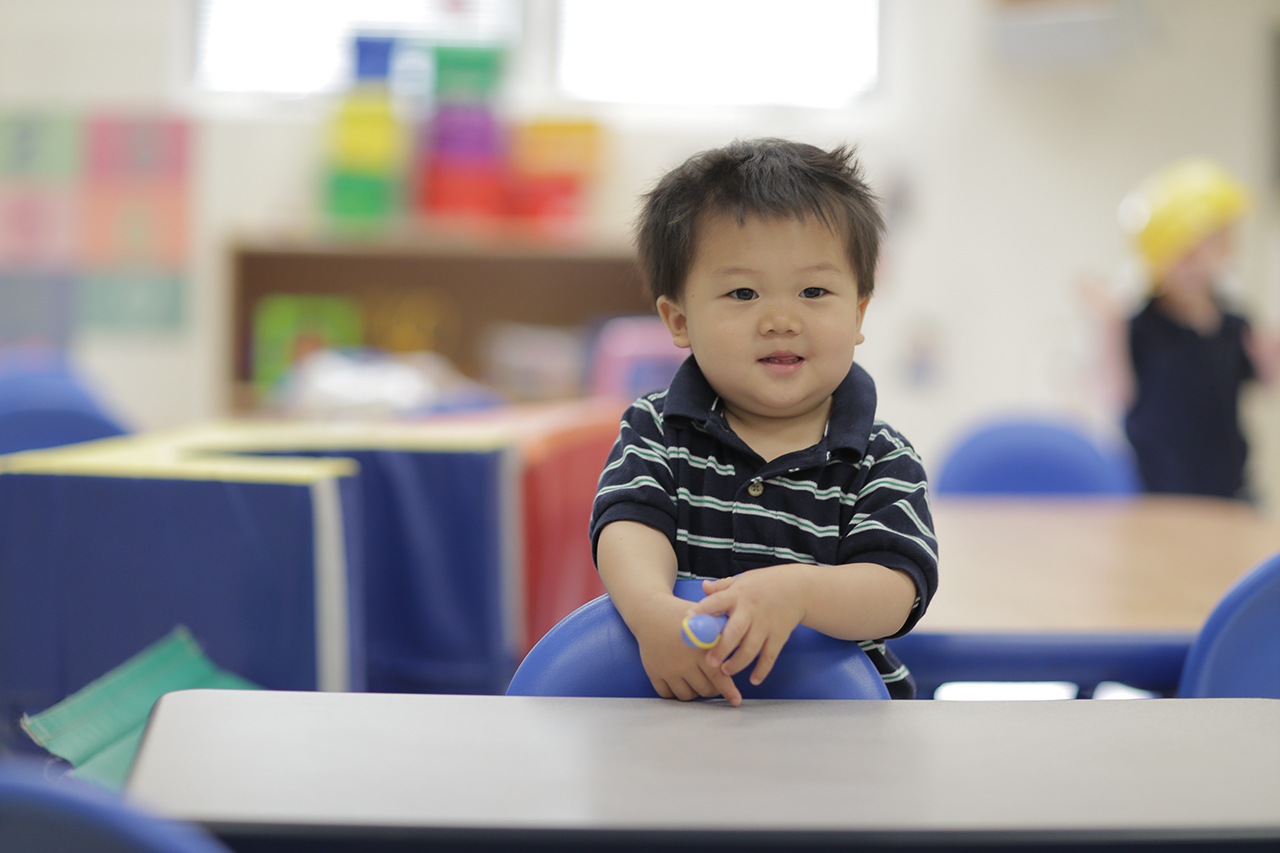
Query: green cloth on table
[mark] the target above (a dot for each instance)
(98, 728)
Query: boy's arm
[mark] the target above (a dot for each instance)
(1263, 349)
(1114, 369)
(881, 588)
(858, 601)
(638, 569)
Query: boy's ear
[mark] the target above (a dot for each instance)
(862, 313)
(674, 319)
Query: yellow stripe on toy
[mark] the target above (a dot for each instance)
(702, 630)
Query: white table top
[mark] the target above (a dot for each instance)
(237, 759)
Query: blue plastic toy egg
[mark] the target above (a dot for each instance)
(702, 630)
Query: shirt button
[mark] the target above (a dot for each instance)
(756, 489)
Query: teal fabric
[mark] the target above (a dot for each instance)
(98, 728)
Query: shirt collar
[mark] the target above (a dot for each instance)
(853, 407)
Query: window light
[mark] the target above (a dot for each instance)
(813, 53)
(300, 47)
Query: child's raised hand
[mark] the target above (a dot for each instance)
(764, 606)
(676, 670)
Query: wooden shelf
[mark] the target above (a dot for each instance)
(435, 292)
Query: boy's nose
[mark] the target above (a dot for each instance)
(779, 321)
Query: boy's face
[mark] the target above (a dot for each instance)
(772, 313)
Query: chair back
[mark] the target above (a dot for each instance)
(1237, 652)
(38, 815)
(1033, 456)
(49, 408)
(632, 356)
(592, 652)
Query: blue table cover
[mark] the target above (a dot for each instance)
(95, 568)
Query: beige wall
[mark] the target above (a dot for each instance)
(1005, 178)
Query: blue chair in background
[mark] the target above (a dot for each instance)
(46, 406)
(592, 652)
(1045, 457)
(1237, 652)
(1033, 456)
(38, 815)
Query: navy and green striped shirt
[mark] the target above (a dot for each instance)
(859, 495)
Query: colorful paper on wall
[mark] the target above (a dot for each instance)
(35, 308)
(44, 149)
(130, 301)
(134, 225)
(93, 225)
(39, 226)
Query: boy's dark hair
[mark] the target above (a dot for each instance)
(762, 177)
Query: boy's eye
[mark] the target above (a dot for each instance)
(813, 292)
(742, 294)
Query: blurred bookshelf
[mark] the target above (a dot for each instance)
(409, 294)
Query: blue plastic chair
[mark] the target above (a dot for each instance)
(1237, 652)
(49, 408)
(38, 815)
(1033, 456)
(592, 652)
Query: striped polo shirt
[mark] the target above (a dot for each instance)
(859, 495)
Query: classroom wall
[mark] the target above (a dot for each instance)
(1002, 178)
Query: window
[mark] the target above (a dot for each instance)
(813, 53)
(301, 47)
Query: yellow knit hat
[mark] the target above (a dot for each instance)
(1178, 207)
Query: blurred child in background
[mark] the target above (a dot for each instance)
(1185, 354)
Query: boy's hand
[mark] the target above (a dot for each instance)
(764, 606)
(676, 670)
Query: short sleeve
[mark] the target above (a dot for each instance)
(892, 524)
(636, 483)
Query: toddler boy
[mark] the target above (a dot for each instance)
(762, 466)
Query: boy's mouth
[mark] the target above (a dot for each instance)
(782, 363)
